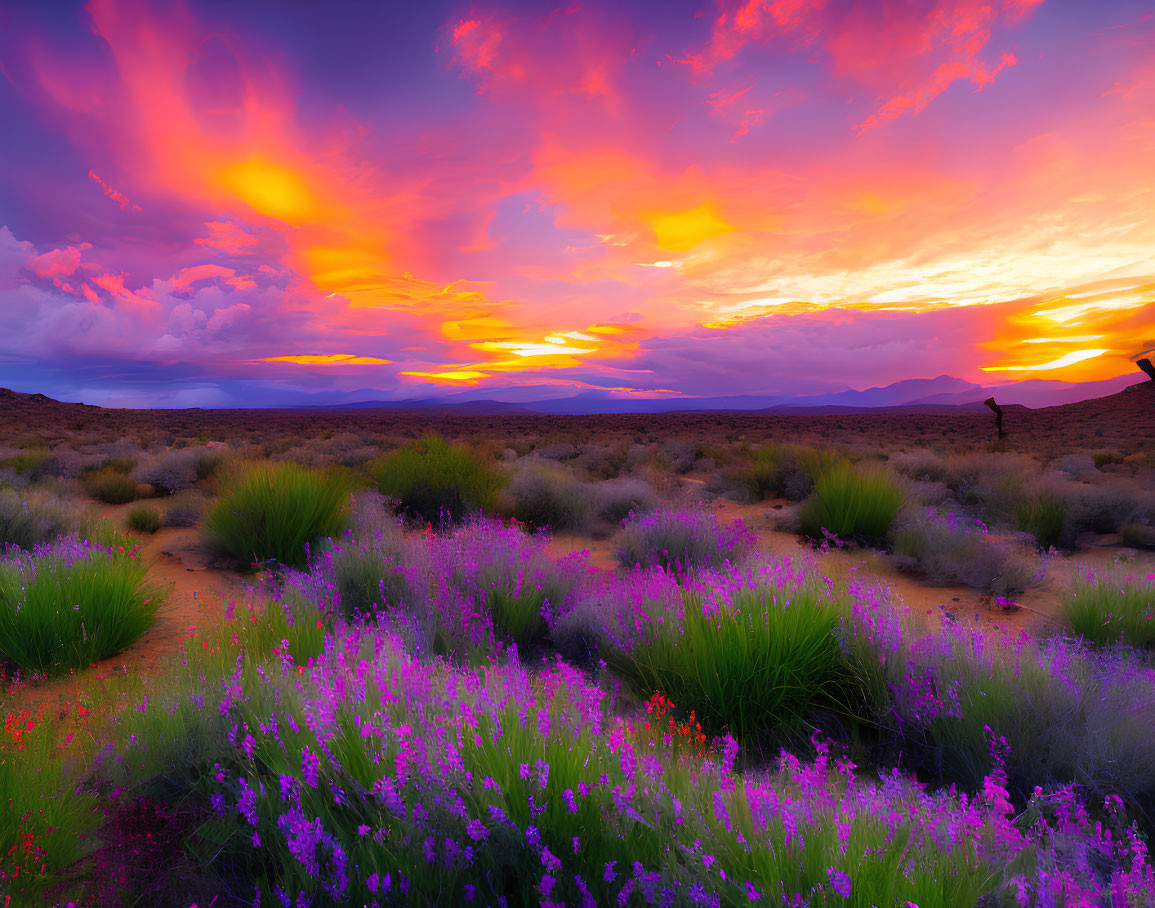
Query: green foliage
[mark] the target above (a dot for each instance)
(46, 819)
(549, 496)
(759, 664)
(852, 503)
(368, 577)
(144, 520)
(25, 462)
(109, 486)
(271, 511)
(1044, 517)
(431, 477)
(1110, 609)
(26, 523)
(69, 609)
(180, 739)
(121, 465)
(787, 470)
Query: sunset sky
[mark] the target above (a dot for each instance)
(223, 204)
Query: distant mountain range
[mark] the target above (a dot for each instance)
(945, 393)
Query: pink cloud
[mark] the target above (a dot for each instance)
(183, 280)
(120, 198)
(225, 236)
(58, 263)
(906, 51)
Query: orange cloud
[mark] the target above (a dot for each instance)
(328, 359)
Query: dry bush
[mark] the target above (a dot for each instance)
(955, 550)
(602, 461)
(547, 495)
(921, 464)
(172, 471)
(991, 481)
(616, 499)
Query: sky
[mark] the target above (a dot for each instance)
(240, 204)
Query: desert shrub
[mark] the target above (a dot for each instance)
(787, 470)
(1044, 517)
(682, 540)
(272, 511)
(121, 465)
(993, 482)
(338, 773)
(173, 471)
(549, 789)
(1076, 465)
(27, 523)
(144, 520)
(1138, 535)
(182, 515)
(549, 496)
(347, 449)
(1104, 506)
(26, 463)
(368, 578)
(924, 492)
(72, 605)
(851, 503)
(602, 462)
(430, 478)
(954, 549)
(1104, 458)
(1060, 712)
(615, 499)
(508, 575)
(919, 464)
(609, 610)
(65, 463)
(1111, 608)
(109, 487)
(678, 455)
(756, 662)
(46, 819)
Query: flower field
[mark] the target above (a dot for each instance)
(411, 714)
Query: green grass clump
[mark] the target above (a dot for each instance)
(120, 465)
(787, 470)
(271, 511)
(852, 503)
(368, 578)
(109, 486)
(1108, 609)
(144, 520)
(27, 523)
(25, 462)
(70, 608)
(431, 478)
(1043, 517)
(758, 665)
(46, 820)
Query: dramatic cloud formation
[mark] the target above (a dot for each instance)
(211, 203)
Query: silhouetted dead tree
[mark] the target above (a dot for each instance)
(1145, 365)
(990, 402)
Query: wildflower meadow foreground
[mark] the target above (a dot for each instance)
(453, 717)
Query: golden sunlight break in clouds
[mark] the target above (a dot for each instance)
(582, 195)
